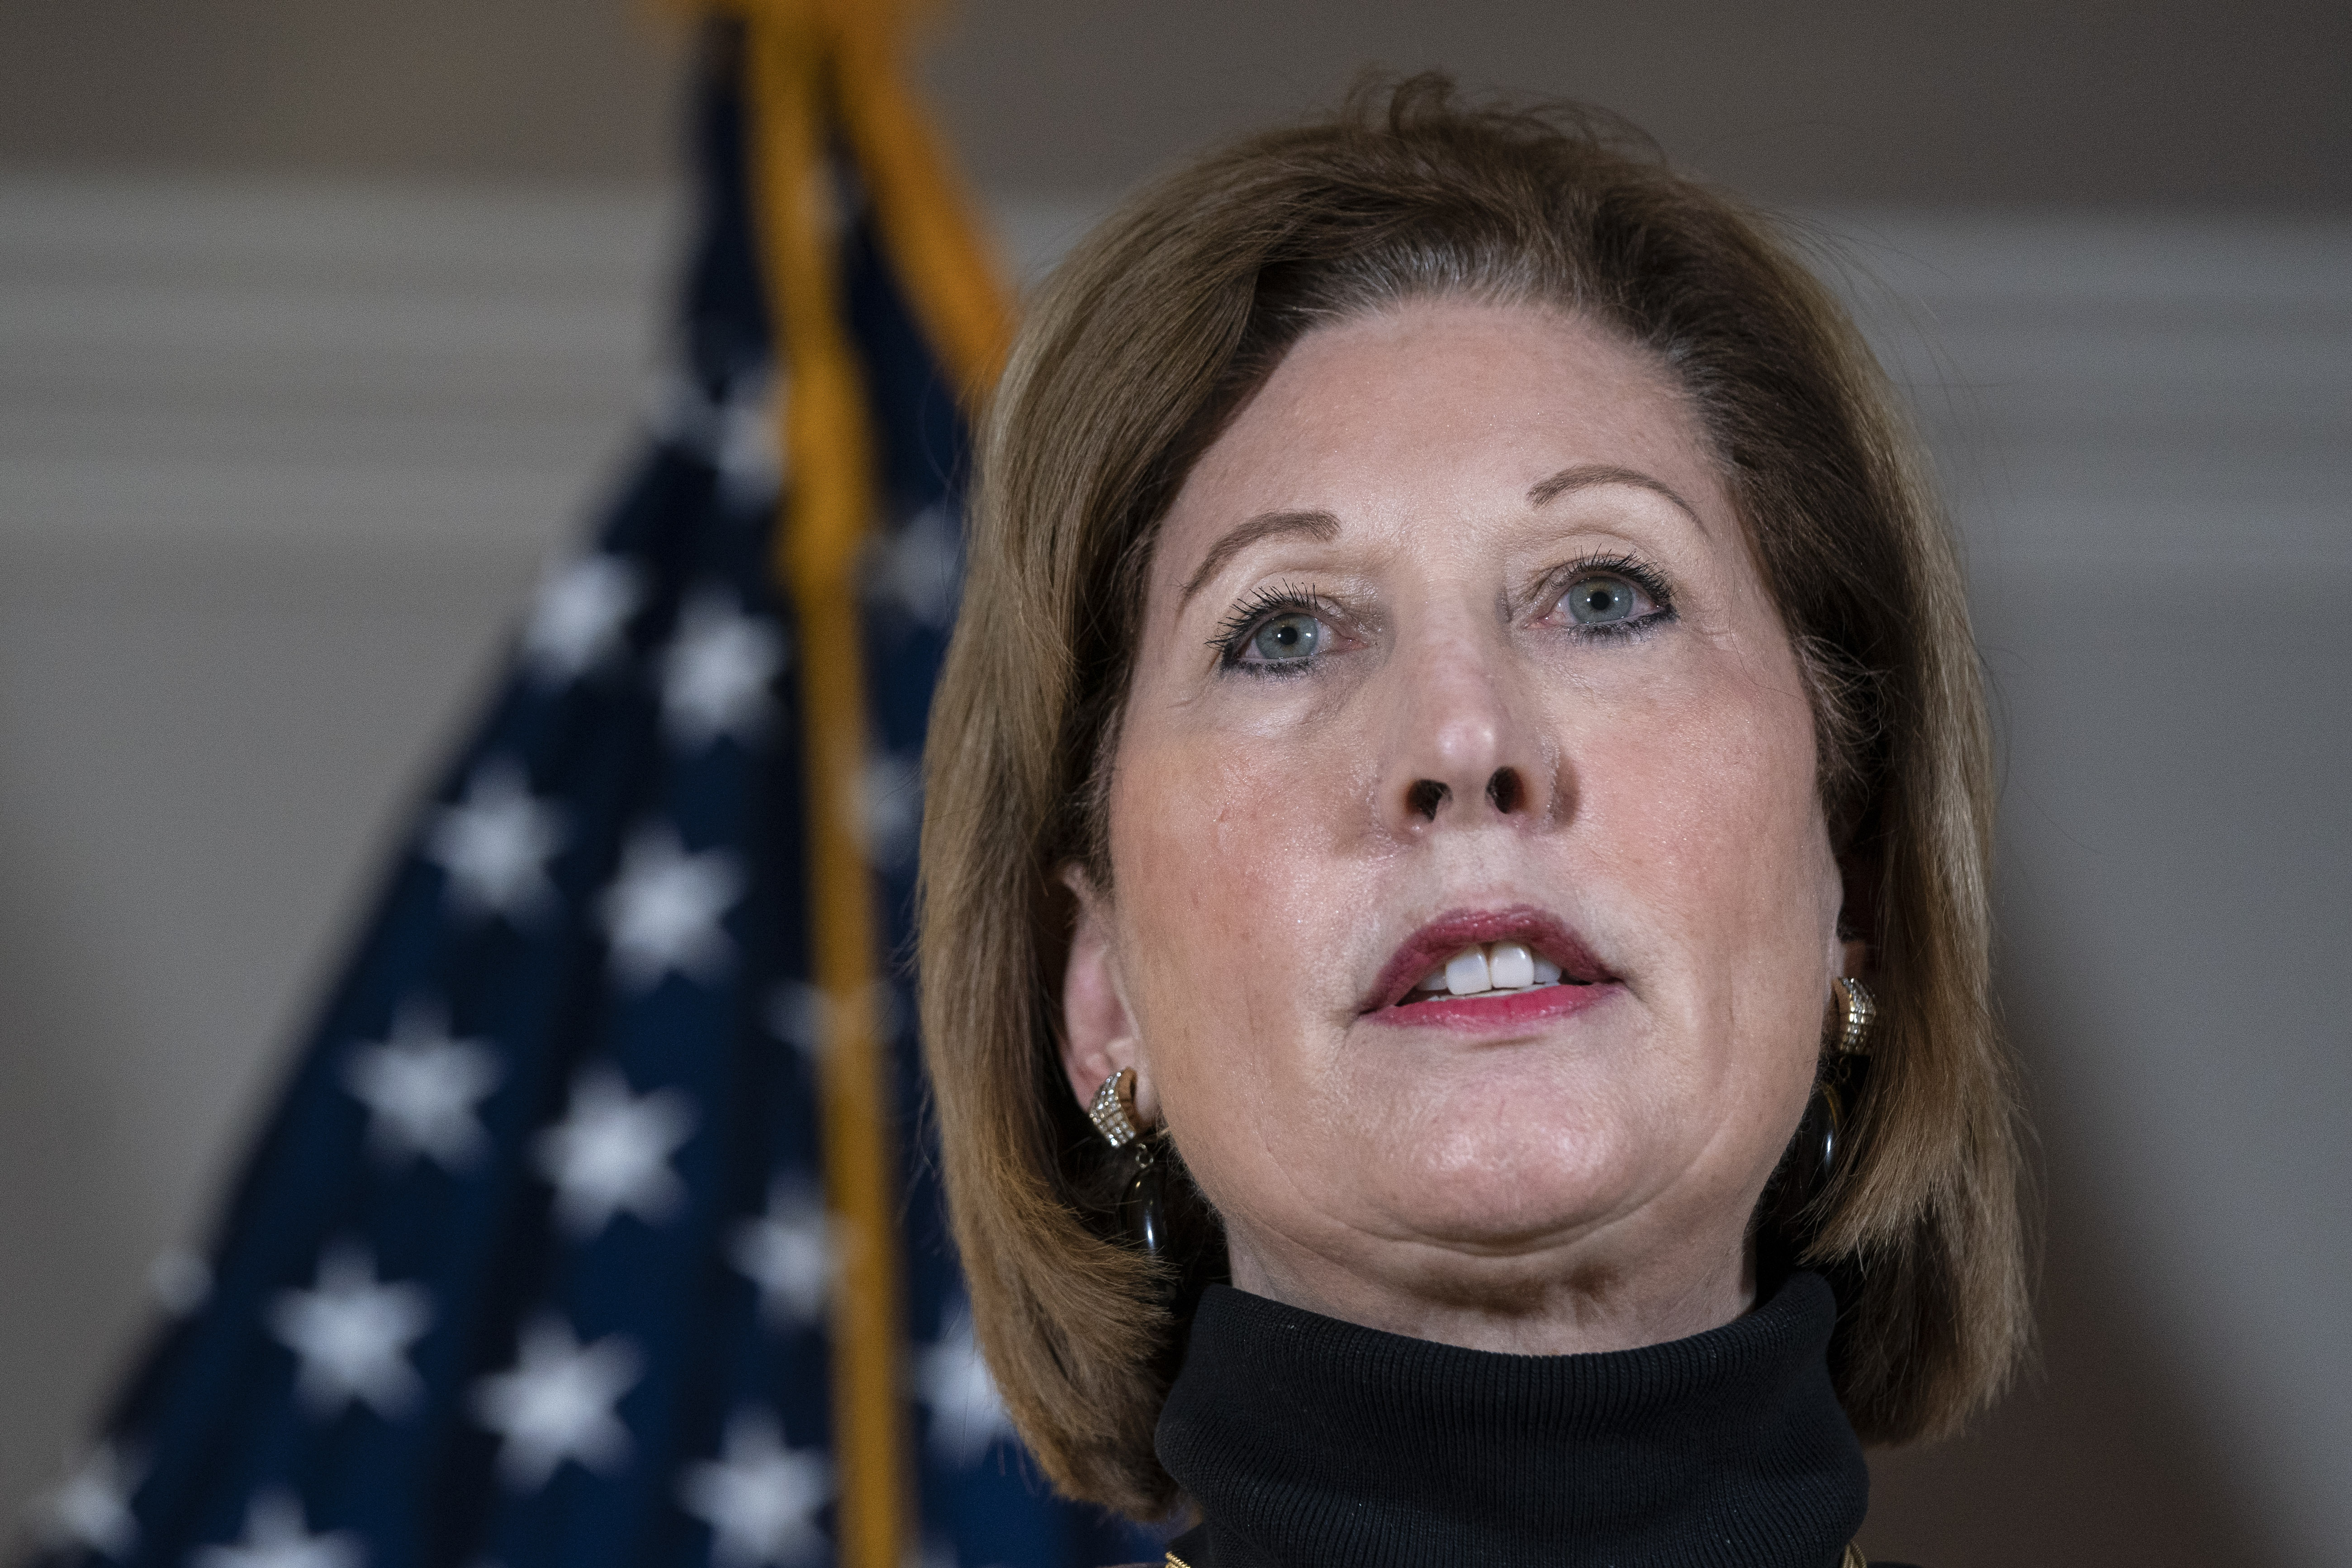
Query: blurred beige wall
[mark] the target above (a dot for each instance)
(2001, 103)
(320, 323)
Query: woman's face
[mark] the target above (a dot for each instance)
(1455, 674)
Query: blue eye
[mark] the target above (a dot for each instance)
(1289, 638)
(1277, 630)
(1605, 601)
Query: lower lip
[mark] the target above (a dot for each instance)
(1489, 1012)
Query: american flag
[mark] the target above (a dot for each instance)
(534, 1263)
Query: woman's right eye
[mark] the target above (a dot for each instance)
(1290, 637)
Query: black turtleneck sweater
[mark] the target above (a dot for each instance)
(1311, 1443)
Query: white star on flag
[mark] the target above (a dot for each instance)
(612, 1150)
(663, 910)
(557, 1404)
(422, 1088)
(92, 1508)
(888, 803)
(967, 1413)
(788, 1253)
(760, 1497)
(352, 1334)
(918, 569)
(716, 673)
(577, 617)
(751, 464)
(737, 436)
(276, 1536)
(495, 845)
(800, 1013)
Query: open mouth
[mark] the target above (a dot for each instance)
(1473, 962)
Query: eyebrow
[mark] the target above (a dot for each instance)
(1585, 476)
(1319, 525)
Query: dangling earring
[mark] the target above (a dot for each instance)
(1143, 1198)
(1789, 1216)
(1821, 1135)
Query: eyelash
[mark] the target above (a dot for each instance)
(1287, 598)
(1261, 606)
(1639, 573)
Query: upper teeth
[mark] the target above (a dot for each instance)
(1496, 966)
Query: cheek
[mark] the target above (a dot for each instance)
(1227, 882)
(1710, 821)
(1718, 801)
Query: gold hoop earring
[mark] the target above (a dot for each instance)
(1109, 1111)
(1860, 1010)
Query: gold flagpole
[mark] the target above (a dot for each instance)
(828, 506)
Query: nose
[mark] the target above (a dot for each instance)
(1463, 747)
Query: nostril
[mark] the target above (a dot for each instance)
(1425, 796)
(1505, 791)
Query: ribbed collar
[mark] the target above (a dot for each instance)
(1312, 1443)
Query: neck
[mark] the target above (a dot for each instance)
(1562, 1301)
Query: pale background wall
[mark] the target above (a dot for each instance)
(320, 323)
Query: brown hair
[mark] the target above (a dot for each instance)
(1140, 347)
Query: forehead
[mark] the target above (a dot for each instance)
(1432, 413)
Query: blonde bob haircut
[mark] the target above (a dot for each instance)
(1138, 351)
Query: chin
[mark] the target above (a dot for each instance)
(1514, 1184)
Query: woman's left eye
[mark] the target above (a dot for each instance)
(1605, 599)
(1290, 637)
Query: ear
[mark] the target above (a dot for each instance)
(1854, 959)
(1098, 1033)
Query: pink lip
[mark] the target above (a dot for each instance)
(1496, 1011)
(1442, 938)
